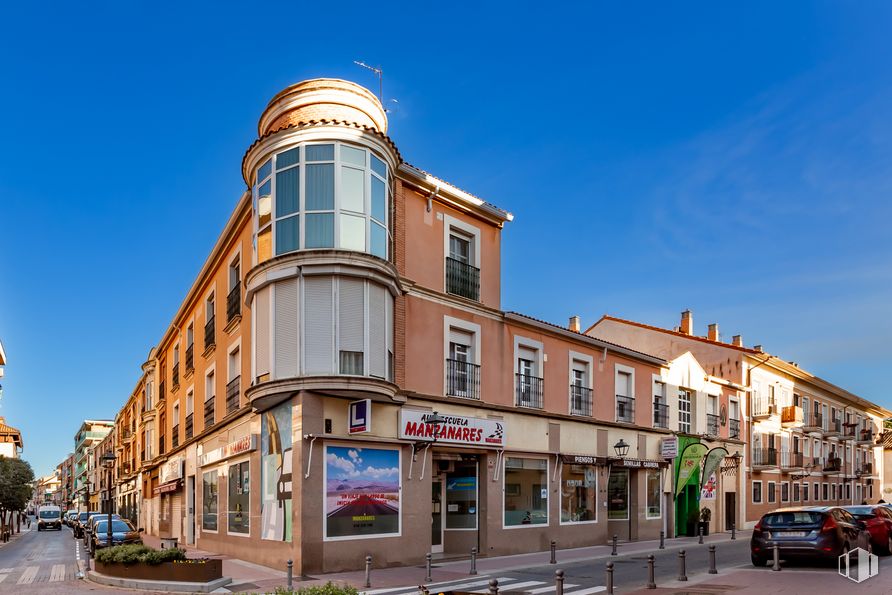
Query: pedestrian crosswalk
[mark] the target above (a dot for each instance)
(46, 573)
(480, 585)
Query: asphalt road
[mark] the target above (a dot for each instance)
(39, 559)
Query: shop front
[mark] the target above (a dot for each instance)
(225, 479)
(635, 498)
(170, 492)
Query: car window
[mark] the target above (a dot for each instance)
(118, 526)
(859, 510)
(802, 517)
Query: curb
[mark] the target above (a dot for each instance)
(165, 586)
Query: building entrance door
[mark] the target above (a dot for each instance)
(730, 509)
(190, 510)
(437, 488)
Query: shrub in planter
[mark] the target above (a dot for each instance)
(137, 553)
(328, 588)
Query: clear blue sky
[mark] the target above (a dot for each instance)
(729, 158)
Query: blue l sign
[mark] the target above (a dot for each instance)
(360, 417)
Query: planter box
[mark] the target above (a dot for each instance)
(184, 572)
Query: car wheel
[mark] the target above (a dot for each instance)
(758, 561)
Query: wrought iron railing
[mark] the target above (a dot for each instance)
(712, 424)
(791, 460)
(233, 390)
(765, 456)
(188, 426)
(528, 391)
(625, 408)
(209, 413)
(210, 332)
(661, 415)
(580, 400)
(190, 361)
(175, 379)
(462, 379)
(734, 428)
(832, 463)
(175, 436)
(234, 303)
(462, 279)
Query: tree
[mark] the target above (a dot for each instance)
(16, 476)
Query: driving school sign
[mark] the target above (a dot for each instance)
(456, 429)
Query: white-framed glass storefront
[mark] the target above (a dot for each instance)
(525, 491)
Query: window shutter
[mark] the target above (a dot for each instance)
(377, 331)
(351, 314)
(318, 326)
(286, 343)
(261, 334)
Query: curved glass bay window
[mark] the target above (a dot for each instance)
(331, 195)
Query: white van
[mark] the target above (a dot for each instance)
(49, 517)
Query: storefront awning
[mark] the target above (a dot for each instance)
(168, 487)
(583, 460)
(637, 463)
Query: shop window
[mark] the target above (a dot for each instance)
(579, 491)
(526, 492)
(351, 510)
(239, 510)
(654, 507)
(618, 495)
(461, 496)
(209, 501)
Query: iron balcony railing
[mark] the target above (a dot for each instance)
(462, 279)
(210, 332)
(529, 391)
(625, 408)
(161, 391)
(712, 424)
(209, 413)
(232, 394)
(190, 362)
(832, 463)
(188, 426)
(661, 415)
(233, 303)
(462, 379)
(814, 421)
(791, 460)
(580, 400)
(161, 445)
(865, 469)
(175, 380)
(734, 428)
(865, 435)
(175, 436)
(765, 457)
(835, 426)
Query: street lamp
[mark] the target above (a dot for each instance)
(108, 461)
(621, 448)
(435, 420)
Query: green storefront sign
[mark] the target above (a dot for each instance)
(687, 484)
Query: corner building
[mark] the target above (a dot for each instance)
(351, 296)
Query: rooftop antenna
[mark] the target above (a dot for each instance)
(379, 73)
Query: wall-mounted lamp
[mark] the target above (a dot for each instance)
(621, 448)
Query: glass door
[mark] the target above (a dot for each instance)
(436, 515)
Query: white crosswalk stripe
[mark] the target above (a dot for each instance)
(28, 576)
(57, 574)
(586, 591)
(6, 570)
(3, 577)
(452, 585)
(550, 589)
(514, 586)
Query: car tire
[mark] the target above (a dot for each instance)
(758, 561)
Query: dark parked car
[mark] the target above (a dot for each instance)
(123, 532)
(878, 520)
(79, 522)
(95, 517)
(807, 532)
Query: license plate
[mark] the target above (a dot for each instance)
(792, 534)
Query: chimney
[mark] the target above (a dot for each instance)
(757, 348)
(687, 322)
(737, 340)
(713, 332)
(575, 324)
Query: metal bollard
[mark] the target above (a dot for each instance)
(613, 553)
(424, 590)
(776, 565)
(662, 539)
(473, 561)
(682, 575)
(553, 552)
(651, 583)
(700, 534)
(712, 568)
(428, 578)
(558, 582)
(290, 575)
(609, 578)
(368, 571)
(493, 587)
(733, 531)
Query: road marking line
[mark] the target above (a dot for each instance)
(551, 588)
(57, 574)
(514, 586)
(6, 570)
(3, 577)
(28, 576)
(587, 591)
(452, 585)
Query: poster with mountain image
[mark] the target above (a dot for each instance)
(362, 491)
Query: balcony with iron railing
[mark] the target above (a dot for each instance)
(865, 436)
(210, 332)
(175, 436)
(188, 427)
(765, 457)
(462, 279)
(528, 391)
(161, 444)
(580, 400)
(712, 425)
(763, 407)
(792, 460)
(232, 394)
(734, 428)
(832, 464)
(190, 360)
(661, 415)
(791, 416)
(234, 303)
(175, 378)
(209, 413)
(813, 422)
(832, 428)
(462, 379)
(864, 470)
(849, 432)
(625, 409)
(161, 392)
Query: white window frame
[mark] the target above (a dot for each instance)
(617, 370)
(561, 504)
(772, 491)
(692, 398)
(235, 256)
(227, 465)
(548, 499)
(464, 326)
(235, 345)
(539, 349)
(200, 524)
(647, 514)
(464, 229)
(785, 484)
(589, 361)
(761, 499)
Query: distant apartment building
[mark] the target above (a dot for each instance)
(11, 443)
(90, 434)
(65, 472)
(810, 442)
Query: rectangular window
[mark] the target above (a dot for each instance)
(796, 492)
(351, 363)
(684, 410)
(654, 493)
(461, 496)
(772, 494)
(526, 492)
(579, 492)
(805, 491)
(785, 491)
(618, 495)
(580, 393)
(757, 492)
(319, 230)
(239, 502)
(349, 510)
(825, 492)
(462, 274)
(209, 501)
(833, 491)
(849, 492)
